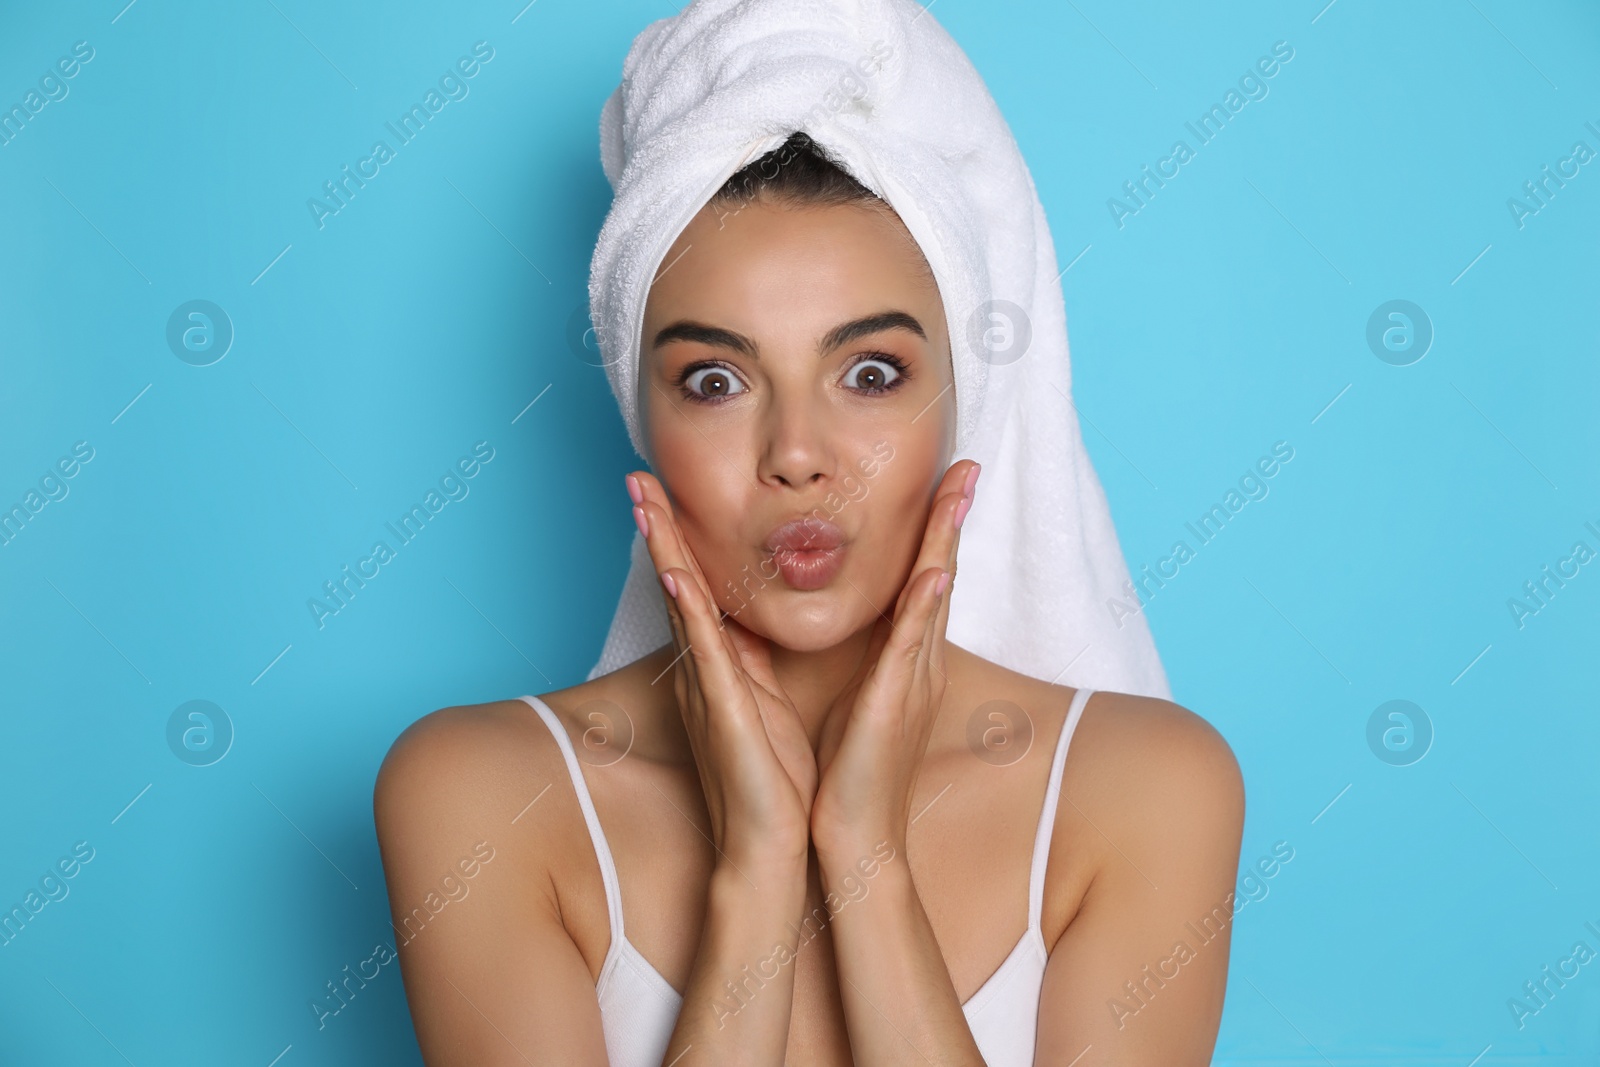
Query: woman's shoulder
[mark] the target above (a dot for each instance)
(1156, 778)
(461, 765)
(1147, 737)
(1142, 760)
(482, 755)
(1128, 727)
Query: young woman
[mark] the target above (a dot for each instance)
(836, 836)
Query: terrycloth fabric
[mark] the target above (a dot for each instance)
(883, 87)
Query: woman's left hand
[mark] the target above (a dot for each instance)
(870, 751)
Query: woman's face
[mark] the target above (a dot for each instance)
(798, 406)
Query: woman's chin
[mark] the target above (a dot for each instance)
(808, 622)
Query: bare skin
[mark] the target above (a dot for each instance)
(788, 737)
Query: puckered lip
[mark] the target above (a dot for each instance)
(805, 534)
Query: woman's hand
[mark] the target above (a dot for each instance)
(756, 765)
(871, 748)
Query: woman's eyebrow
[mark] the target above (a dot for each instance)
(846, 332)
(843, 334)
(700, 333)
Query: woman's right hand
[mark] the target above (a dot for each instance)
(757, 768)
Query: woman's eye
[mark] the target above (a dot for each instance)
(871, 375)
(713, 382)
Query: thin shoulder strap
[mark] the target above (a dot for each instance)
(1047, 818)
(602, 851)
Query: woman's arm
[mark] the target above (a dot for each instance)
(491, 975)
(758, 775)
(899, 1003)
(896, 989)
(1139, 974)
(737, 1005)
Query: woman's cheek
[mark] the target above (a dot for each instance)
(901, 505)
(709, 510)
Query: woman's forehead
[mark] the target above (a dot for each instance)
(777, 262)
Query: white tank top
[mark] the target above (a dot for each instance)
(638, 1007)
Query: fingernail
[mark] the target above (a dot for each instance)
(944, 583)
(972, 479)
(634, 491)
(961, 510)
(672, 586)
(643, 523)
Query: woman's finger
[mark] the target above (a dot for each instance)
(676, 552)
(711, 659)
(686, 675)
(938, 533)
(715, 662)
(940, 622)
(655, 524)
(931, 658)
(653, 513)
(938, 530)
(653, 496)
(894, 673)
(659, 558)
(937, 626)
(668, 549)
(944, 536)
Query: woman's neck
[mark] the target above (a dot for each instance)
(811, 680)
(814, 680)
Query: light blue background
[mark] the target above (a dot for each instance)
(1227, 314)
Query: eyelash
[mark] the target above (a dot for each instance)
(903, 375)
(902, 372)
(693, 368)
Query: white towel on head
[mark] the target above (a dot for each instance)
(1043, 588)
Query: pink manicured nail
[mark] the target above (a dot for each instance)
(642, 521)
(672, 586)
(634, 491)
(961, 510)
(972, 479)
(944, 583)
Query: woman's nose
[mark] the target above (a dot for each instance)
(797, 450)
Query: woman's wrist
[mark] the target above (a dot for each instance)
(783, 854)
(845, 862)
(736, 1007)
(842, 837)
(774, 878)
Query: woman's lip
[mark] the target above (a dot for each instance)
(807, 569)
(805, 535)
(807, 551)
